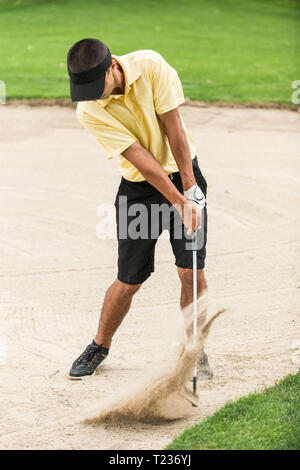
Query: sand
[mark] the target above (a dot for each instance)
(54, 273)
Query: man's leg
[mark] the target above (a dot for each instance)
(186, 299)
(116, 305)
(135, 265)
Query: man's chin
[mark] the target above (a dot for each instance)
(104, 96)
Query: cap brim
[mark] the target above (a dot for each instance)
(87, 91)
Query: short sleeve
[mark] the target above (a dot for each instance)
(113, 137)
(166, 85)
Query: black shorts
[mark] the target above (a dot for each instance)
(136, 256)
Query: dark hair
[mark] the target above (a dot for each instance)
(86, 54)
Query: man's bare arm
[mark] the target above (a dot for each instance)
(177, 139)
(156, 176)
(153, 172)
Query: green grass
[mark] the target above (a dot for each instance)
(260, 421)
(223, 50)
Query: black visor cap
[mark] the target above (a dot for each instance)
(89, 85)
(87, 91)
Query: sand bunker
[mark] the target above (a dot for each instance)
(55, 272)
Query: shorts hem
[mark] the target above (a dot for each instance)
(134, 280)
(200, 265)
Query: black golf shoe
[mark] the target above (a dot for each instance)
(88, 362)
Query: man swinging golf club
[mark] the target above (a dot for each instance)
(130, 105)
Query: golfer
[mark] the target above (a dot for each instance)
(130, 105)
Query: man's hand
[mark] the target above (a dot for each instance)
(191, 216)
(196, 197)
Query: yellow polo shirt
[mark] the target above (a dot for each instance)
(152, 87)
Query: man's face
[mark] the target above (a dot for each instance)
(109, 85)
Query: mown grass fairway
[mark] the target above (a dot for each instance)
(231, 50)
(267, 420)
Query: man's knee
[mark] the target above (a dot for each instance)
(127, 290)
(186, 278)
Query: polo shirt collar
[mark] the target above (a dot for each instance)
(131, 73)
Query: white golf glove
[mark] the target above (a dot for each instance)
(195, 195)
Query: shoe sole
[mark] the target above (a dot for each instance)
(84, 376)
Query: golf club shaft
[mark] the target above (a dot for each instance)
(195, 312)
